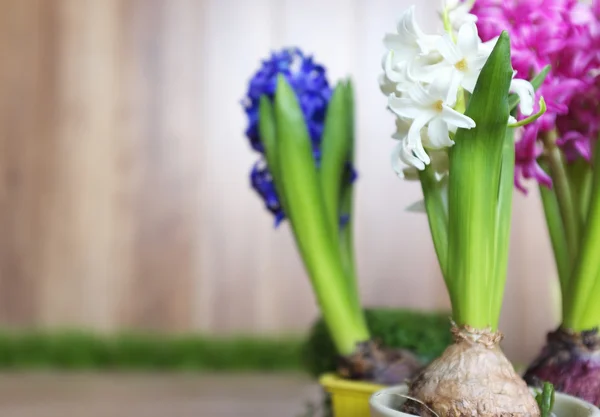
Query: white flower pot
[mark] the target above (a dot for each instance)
(386, 402)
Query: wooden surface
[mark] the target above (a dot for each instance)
(55, 395)
(124, 196)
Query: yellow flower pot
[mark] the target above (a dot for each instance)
(349, 398)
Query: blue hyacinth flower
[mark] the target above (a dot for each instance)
(309, 81)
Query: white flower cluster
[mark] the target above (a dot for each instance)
(423, 78)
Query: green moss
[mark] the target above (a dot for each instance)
(426, 334)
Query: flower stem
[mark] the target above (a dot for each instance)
(581, 307)
(579, 175)
(447, 23)
(563, 191)
(557, 235)
(533, 117)
(437, 214)
(346, 245)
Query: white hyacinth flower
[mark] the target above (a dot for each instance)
(402, 128)
(395, 72)
(409, 41)
(465, 58)
(526, 93)
(459, 12)
(462, 61)
(406, 153)
(386, 86)
(427, 106)
(440, 163)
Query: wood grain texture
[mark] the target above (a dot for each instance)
(124, 191)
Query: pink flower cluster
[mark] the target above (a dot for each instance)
(566, 35)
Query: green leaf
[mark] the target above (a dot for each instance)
(346, 237)
(502, 229)
(536, 82)
(266, 125)
(545, 400)
(268, 134)
(309, 221)
(540, 77)
(335, 150)
(475, 171)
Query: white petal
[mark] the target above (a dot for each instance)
(407, 25)
(402, 153)
(391, 71)
(414, 137)
(404, 49)
(410, 30)
(437, 133)
(427, 43)
(420, 96)
(454, 85)
(468, 39)
(454, 118)
(460, 15)
(420, 153)
(403, 87)
(469, 81)
(476, 63)
(386, 86)
(448, 50)
(421, 70)
(403, 107)
(402, 127)
(487, 47)
(408, 158)
(526, 93)
(511, 120)
(439, 89)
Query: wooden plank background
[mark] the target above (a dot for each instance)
(124, 196)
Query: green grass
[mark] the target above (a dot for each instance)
(74, 350)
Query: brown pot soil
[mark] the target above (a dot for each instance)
(375, 363)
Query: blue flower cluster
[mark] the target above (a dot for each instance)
(309, 81)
